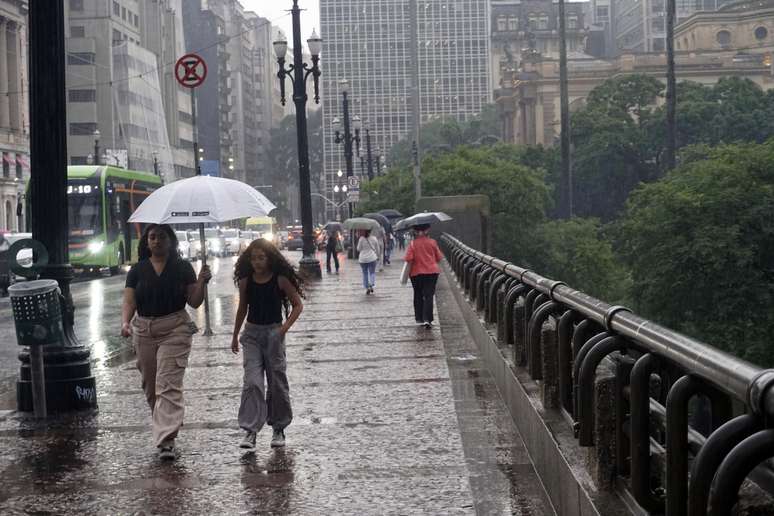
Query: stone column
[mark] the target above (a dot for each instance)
(14, 72)
(4, 104)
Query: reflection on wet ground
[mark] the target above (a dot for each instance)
(389, 418)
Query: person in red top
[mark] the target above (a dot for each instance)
(423, 256)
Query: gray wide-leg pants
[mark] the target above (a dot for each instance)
(263, 351)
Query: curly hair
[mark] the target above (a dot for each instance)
(278, 265)
(143, 251)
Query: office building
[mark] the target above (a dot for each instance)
(367, 42)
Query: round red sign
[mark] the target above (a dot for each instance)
(190, 70)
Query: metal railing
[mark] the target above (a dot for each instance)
(561, 335)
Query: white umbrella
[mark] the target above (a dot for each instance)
(200, 200)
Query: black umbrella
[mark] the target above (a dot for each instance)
(381, 219)
(390, 213)
(421, 219)
(332, 226)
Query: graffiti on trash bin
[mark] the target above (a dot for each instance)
(85, 393)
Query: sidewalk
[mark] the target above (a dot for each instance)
(389, 418)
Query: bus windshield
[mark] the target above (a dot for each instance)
(84, 208)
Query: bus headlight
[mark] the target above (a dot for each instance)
(268, 236)
(96, 246)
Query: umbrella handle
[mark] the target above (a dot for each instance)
(203, 241)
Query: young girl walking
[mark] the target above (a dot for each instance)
(267, 284)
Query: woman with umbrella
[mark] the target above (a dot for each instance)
(423, 256)
(158, 287)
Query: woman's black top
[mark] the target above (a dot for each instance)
(264, 301)
(162, 294)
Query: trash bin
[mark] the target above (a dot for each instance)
(37, 312)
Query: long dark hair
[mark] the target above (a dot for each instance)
(278, 265)
(143, 251)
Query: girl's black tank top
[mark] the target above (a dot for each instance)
(264, 302)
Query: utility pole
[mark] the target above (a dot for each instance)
(671, 93)
(413, 14)
(565, 191)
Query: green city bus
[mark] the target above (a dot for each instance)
(100, 200)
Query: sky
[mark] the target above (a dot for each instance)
(278, 12)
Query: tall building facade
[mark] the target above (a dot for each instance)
(640, 25)
(236, 104)
(123, 107)
(14, 112)
(367, 42)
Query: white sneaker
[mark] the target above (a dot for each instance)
(248, 442)
(428, 324)
(278, 439)
(167, 450)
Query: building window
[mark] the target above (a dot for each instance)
(116, 9)
(19, 166)
(542, 21)
(723, 37)
(761, 33)
(77, 31)
(117, 38)
(602, 13)
(657, 24)
(136, 20)
(82, 95)
(659, 45)
(81, 58)
(572, 21)
(76, 5)
(502, 23)
(83, 128)
(513, 23)
(123, 13)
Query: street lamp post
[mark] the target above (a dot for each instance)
(369, 160)
(70, 384)
(300, 72)
(96, 147)
(348, 138)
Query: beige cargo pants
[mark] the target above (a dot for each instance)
(162, 345)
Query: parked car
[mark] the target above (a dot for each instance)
(184, 246)
(282, 238)
(246, 236)
(195, 243)
(295, 242)
(216, 242)
(232, 243)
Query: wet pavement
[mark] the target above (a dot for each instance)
(390, 418)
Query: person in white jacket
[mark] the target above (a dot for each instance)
(368, 249)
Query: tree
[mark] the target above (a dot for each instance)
(578, 252)
(283, 161)
(700, 246)
(617, 144)
(441, 136)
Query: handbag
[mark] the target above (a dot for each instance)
(339, 246)
(405, 272)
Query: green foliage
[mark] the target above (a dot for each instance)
(578, 252)
(393, 190)
(441, 136)
(616, 144)
(700, 246)
(283, 162)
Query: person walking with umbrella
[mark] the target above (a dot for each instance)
(157, 289)
(368, 249)
(267, 285)
(423, 256)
